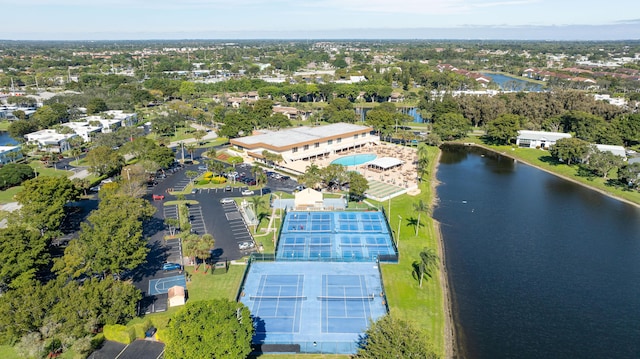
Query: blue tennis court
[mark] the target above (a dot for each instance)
(162, 285)
(323, 307)
(344, 236)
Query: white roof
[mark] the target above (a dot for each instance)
(616, 150)
(385, 162)
(297, 135)
(7, 148)
(541, 135)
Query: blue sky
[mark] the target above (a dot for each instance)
(178, 19)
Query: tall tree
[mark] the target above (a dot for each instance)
(570, 150)
(43, 199)
(451, 126)
(504, 128)
(428, 261)
(103, 160)
(111, 241)
(22, 253)
(602, 162)
(420, 207)
(391, 337)
(210, 329)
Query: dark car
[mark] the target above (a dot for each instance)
(171, 266)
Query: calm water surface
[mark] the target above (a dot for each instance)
(539, 267)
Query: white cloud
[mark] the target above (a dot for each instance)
(426, 7)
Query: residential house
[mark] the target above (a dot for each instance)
(10, 154)
(50, 140)
(616, 150)
(539, 139)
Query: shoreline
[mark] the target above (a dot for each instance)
(450, 340)
(506, 154)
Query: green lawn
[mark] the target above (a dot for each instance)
(6, 196)
(425, 305)
(206, 286)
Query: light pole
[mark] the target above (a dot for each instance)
(182, 145)
(398, 236)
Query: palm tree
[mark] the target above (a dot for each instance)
(420, 207)
(212, 153)
(257, 202)
(191, 148)
(198, 247)
(215, 166)
(261, 180)
(76, 152)
(428, 260)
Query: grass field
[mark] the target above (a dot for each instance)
(424, 306)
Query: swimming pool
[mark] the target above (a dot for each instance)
(354, 160)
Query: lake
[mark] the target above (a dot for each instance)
(508, 83)
(539, 267)
(6, 140)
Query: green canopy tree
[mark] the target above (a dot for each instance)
(96, 105)
(111, 241)
(358, 185)
(602, 162)
(451, 126)
(103, 160)
(198, 247)
(22, 253)
(570, 150)
(629, 174)
(501, 130)
(210, 329)
(391, 337)
(43, 199)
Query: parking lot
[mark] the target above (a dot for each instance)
(241, 233)
(197, 220)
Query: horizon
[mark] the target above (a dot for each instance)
(112, 20)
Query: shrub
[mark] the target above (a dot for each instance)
(203, 182)
(208, 175)
(141, 328)
(218, 180)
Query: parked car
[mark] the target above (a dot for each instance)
(227, 200)
(158, 197)
(300, 187)
(247, 192)
(202, 168)
(227, 189)
(194, 191)
(245, 245)
(171, 266)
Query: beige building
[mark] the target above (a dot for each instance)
(308, 199)
(304, 143)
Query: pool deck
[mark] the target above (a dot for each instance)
(388, 184)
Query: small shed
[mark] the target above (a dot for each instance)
(176, 296)
(308, 198)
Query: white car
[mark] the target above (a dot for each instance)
(247, 192)
(227, 200)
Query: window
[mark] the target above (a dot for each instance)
(363, 134)
(306, 147)
(355, 137)
(339, 140)
(329, 142)
(294, 150)
(316, 145)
